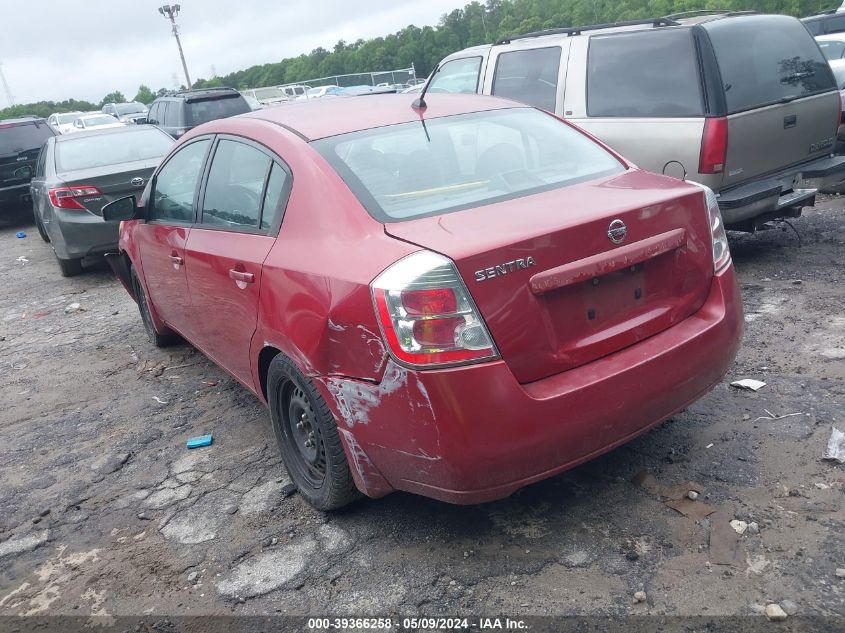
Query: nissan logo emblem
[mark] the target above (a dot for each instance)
(617, 231)
(137, 182)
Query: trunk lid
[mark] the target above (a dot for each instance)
(554, 290)
(126, 179)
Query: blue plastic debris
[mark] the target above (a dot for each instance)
(199, 442)
(20, 235)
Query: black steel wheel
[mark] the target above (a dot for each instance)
(308, 439)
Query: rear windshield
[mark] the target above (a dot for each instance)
(406, 171)
(764, 59)
(85, 152)
(644, 74)
(130, 108)
(268, 93)
(105, 119)
(199, 112)
(17, 137)
(64, 119)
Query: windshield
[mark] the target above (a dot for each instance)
(130, 108)
(198, 112)
(83, 152)
(93, 121)
(64, 119)
(268, 93)
(16, 138)
(409, 170)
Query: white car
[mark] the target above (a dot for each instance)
(832, 45)
(98, 121)
(316, 93)
(63, 121)
(266, 96)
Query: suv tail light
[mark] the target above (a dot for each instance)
(714, 146)
(721, 251)
(67, 197)
(426, 314)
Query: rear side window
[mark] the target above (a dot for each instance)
(765, 59)
(16, 138)
(235, 186)
(171, 114)
(198, 112)
(833, 24)
(529, 76)
(644, 74)
(176, 184)
(458, 75)
(277, 187)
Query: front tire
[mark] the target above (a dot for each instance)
(158, 338)
(308, 438)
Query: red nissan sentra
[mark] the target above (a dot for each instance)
(456, 300)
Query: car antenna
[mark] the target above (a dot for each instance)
(420, 104)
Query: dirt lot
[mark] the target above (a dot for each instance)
(104, 511)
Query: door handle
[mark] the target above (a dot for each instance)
(237, 275)
(177, 260)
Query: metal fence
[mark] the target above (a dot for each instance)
(399, 76)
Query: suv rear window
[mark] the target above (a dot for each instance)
(19, 137)
(764, 59)
(412, 170)
(205, 110)
(644, 74)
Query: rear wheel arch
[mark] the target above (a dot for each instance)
(265, 357)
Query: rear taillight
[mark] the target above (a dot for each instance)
(68, 197)
(714, 146)
(426, 315)
(721, 251)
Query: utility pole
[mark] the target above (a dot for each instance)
(170, 12)
(6, 88)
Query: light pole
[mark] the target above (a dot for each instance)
(170, 12)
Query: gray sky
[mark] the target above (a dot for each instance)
(86, 48)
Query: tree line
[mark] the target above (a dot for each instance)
(423, 47)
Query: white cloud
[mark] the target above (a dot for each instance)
(85, 49)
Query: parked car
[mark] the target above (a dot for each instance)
(267, 96)
(321, 91)
(62, 122)
(182, 111)
(130, 113)
(98, 121)
(20, 141)
(455, 300)
(832, 21)
(294, 91)
(749, 109)
(253, 102)
(77, 174)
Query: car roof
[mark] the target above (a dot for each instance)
(331, 116)
(103, 131)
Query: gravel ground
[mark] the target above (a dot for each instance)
(104, 511)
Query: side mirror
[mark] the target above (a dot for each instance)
(120, 210)
(23, 172)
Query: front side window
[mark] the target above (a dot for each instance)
(458, 75)
(644, 74)
(235, 186)
(176, 184)
(409, 170)
(766, 59)
(529, 76)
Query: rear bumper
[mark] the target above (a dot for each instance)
(474, 434)
(783, 194)
(75, 234)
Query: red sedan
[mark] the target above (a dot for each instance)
(454, 300)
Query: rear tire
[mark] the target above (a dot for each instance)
(308, 438)
(164, 338)
(69, 267)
